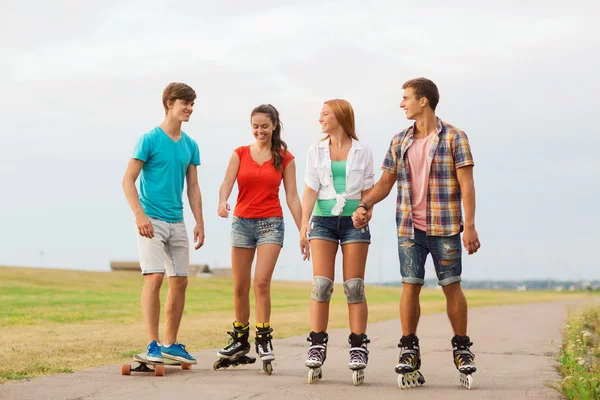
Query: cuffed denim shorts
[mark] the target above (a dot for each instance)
(413, 254)
(339, 230)
(252, 232)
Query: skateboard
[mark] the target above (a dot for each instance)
(159, 367)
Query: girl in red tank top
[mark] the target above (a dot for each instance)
(257, 227)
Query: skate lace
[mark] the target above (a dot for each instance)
(315, 353)
(408, 356)
(358, 355)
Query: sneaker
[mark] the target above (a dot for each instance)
(154, 353)
(177, 352)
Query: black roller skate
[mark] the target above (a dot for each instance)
(409, 362)
(359, 357)
(464, 359)
(317, 353)
(234, 353)
(264, 348)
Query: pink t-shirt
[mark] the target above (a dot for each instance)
(418, 164)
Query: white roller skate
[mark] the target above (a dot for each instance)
(464, 360)
(409, 363)
(317, 353)
(359, 357)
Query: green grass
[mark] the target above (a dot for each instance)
(61, 321)
(580, 355)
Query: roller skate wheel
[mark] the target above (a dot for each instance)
(410, 379)
(358, 377)
(217, 365)
(268, 368)
(159, 370)
(466, 381)
(314, 374)
(126, 369)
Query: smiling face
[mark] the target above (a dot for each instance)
(412, 106)
(262, 127)
(327, 120)
(181, 109)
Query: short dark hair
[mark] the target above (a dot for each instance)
(423, 87)
(177, 91)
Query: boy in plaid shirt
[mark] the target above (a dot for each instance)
(431, 164)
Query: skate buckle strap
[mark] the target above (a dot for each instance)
(461, 352)
(362, 349)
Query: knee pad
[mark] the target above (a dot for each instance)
(355, 290)
(322, 289)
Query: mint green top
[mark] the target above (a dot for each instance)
(323, 207)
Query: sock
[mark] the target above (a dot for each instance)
(262, 326)
(242, 326)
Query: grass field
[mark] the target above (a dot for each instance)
(61, 321)
(580, 355)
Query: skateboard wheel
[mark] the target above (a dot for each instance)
(186, 366)
(159, 370)
(126, 369)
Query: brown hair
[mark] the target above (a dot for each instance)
(423, 87)
(276, 143)
(344, 114)
(177, 91)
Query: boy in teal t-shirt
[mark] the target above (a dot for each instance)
(163, 159)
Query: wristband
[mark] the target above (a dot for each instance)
(364, 205)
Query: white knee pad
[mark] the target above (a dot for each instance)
(322, 288)
(355, 290)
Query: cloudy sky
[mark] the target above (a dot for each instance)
(80, 81)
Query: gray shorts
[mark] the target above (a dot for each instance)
(167, 252)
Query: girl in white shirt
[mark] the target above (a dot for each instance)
(339, 171)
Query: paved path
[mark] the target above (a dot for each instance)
(514, 346)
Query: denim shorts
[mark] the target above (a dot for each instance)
(413, 254)
(339, 230)
(252, 232)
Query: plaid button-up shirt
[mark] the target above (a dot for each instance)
(449, 151)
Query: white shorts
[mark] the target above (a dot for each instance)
(167, 252)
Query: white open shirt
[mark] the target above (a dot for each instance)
(359, 173)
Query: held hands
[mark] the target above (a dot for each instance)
(304, 243)
(223, 210)
(471, 240)
(199, 235)
(361, 217)
(144, 226)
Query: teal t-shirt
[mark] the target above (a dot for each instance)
(323, 207)
(163, 173)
